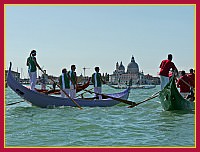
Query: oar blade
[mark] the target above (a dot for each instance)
(9, 104)
(114, 98)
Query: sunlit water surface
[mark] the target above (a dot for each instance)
(117, 126)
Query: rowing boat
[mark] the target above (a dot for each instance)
(171, 99)
(133, 87)
(57, 91)
(46, 101)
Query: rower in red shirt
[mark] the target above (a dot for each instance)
(165, 67)
(191, 75)
(183, 83)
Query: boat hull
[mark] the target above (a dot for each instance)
(171, 99)
(45, 101)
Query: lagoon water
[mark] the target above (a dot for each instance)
(146, 125)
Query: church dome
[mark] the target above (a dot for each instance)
(121, 67)
(132, 66)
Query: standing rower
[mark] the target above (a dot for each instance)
(64, 82)
(165, 67)
(73, 81)
(32, 68)
(97, 81)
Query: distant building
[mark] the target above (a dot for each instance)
(120, 76)
(149, 79)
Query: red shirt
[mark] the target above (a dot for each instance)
(192, 77)
(165, 67)
(182, 85)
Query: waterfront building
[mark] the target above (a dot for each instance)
(122, 76)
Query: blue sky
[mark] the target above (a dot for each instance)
(90, 36)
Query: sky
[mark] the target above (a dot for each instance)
(99, 35)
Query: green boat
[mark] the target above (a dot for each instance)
(171, 99)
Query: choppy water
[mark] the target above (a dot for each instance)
(117, 126)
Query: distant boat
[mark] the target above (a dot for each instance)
(133, 87)
(45, 101)
(171, 99)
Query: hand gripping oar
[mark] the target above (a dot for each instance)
(147, 99)
(65, 92)
(117, 99)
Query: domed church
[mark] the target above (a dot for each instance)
(123, 77)
(133, 67)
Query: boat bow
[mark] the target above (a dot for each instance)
(171, 99)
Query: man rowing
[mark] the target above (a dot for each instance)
(64, 83)
(32, 68)
(184, 84)
(44, 80)
(165, 67)
(191, 75)
(97, 81)
(73, 81)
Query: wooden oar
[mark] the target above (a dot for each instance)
(147, 99)
(64, 92)
(117, 99)
(13, 103)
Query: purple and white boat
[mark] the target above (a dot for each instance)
(46, 101)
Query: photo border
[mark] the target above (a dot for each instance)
(90, 2)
